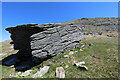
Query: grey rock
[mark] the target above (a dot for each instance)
(41, 72)
(15, 74)
(45, 40)
(82, 46)
(66, 56)
(81, 66)
(90, 44)
(66, 66)
(26, 73)
(71, 52)
(81, 49)
(79, 63)
(3, 54)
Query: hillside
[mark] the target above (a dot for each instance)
(96, 24)
(98, 51)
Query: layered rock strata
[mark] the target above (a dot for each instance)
(38, 42)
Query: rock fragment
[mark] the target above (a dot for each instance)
(81, 49)
(66, 66)
(45, 40)
(79, 63)
(90, 44)
(66, 56)
(15, 74)
(82, 46)
(26, 73)
(71, 52)
(60, 73)
(3, 54)
(81, 66)
(41, 72)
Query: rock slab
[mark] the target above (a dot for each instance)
(41, 72)
(45, 40)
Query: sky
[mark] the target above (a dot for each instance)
(18, 13)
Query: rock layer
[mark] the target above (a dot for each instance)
(39, 42)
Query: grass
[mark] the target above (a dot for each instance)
(101, 59)
(5, 48)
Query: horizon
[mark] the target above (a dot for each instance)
(18, 13)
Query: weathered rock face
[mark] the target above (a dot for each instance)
(39, 42)
(54, 41)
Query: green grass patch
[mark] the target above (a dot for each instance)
(101, 59)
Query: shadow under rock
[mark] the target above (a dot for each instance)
(19, 64)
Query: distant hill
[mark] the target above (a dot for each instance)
(96, 24)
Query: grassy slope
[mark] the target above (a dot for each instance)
(6, 70)
(101, 59)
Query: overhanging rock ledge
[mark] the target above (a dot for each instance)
(39, 42)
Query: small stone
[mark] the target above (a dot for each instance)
(90, 44)
(76, 51)
(82, 46)
(83, 67)
(12, 66)
(79, 63)
(15, 74)
(66, 56)
(81, 50)
(60, 73)
(3, 54)
(71, 52)
(41, 72)
(66, 66)
(26, 73)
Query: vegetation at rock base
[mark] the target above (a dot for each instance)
(101, 59)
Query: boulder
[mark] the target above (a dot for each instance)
(40, 42)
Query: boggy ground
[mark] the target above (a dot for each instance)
(101, 59)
